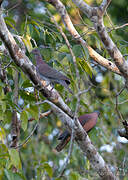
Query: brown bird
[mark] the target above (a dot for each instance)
(47, 73)
(88, 121)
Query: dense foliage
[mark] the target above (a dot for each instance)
(38, 158)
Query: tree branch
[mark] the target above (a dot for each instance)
(15, 124)
(104, 5)
(22, 61)
(84, 143)
(97, 19)
(124, 132)
(57, 103)
(93, 54)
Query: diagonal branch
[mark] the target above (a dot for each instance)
(59, 107)
(22, 61)
(104, 5)
(84, 7)
(93, 54)
(97, 19)
(82, 139)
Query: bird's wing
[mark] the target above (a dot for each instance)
(51, 73)
(88, 121)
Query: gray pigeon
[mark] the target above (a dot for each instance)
(48, 73)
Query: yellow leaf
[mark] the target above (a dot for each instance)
(27, 42)
(2, 135)
(59, 123)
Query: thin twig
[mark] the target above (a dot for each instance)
(84, 91)
(110, 20)
(118, 27)
(14, 6)
(123, 102)
(20, 145)
(120, 91)
(41, 115)
(117, 110)
(69, 153)
(5, 67)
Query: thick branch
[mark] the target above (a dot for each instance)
(111, 47)
(4, 79)
(124, 132)
(55, 101)
(84, 8)
(85, 144)
(93, 54)
(97, 19)
(22, 61)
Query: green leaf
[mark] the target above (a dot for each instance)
(2, 134)
(48, 169)
(13, 176)
(85, 50)
(59, 37)
(8, 23)
(1, 114)
(2, 96)
(61, 56)
(11, 20)
(38, 33)
(24, 120)
(64, 48)
(4, 156)
(15, 158)
(84, 104)
(28, 30)
(9, 174)
(28, 96)
(77, 50)
(33, 110)
(3, 150)
(4, 106)
(26, 84)
(73, 104)
(86, 66)
(74, 176)
(34, 23)
(98, 43)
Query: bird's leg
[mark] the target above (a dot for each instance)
(38, 87)
(45, 85)
(51, 85)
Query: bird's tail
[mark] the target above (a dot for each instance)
(64, 139)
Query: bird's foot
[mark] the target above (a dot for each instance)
(39, 87)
